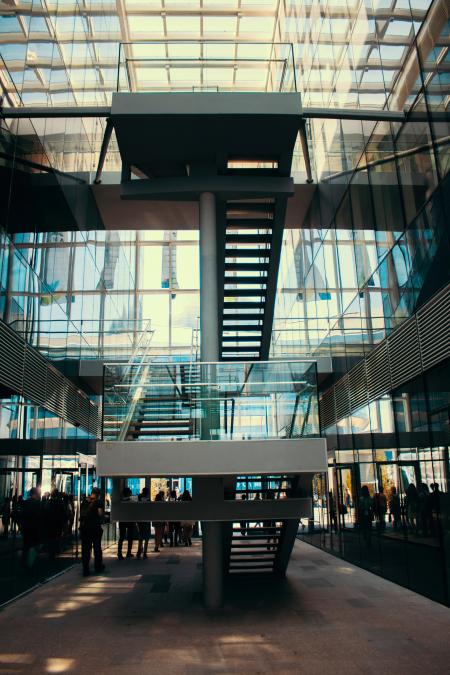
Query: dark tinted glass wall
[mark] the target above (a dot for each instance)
(385, 502)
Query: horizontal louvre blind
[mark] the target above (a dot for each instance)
(26, 372)
(418, 344)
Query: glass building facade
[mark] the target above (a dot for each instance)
(364, 252)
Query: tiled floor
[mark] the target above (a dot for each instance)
(147, 617)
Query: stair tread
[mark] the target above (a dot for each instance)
(247, 238)
(239, 266)
(245, 280)
(234, 328)
(247, 253)
(258, 566)
(244, 292)
(241, 338)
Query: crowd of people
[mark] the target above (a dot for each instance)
(417, 512)
(42, 520)
(176, 533)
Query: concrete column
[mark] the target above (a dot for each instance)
(209, 319)
(213, 571)
(209, 323)
(209, 351)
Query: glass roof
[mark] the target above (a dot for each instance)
(347, 52)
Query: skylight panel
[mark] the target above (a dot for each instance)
(80, 76)
(105, 24)
(183, 24)
(151, 76)
(38, 25)
(146, 26)
(185, 75)
(184, 51)
(263, 4)
(391, 52)
(147, 51)
(219, 51)
(75, 51)
(107, 50)
(220, 77)
(401, 28)
(260, 26)
(183, 4)
(55, 76)
(71, 24)
(220, 24)
(11, 53)
(251, 76)
(254, 51)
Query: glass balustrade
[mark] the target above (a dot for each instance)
(184, 400)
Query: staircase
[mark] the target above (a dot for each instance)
(254, 549)
(252, 251)
(262, 547)
(159, 417)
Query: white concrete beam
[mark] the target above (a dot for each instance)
(210, 458)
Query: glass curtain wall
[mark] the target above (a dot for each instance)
(373, 248)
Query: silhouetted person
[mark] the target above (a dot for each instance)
(54, 515)
(424, 510)
(381, 509)
(174, 526)
(187, 525)
(91, 531)
(70, 514)
(257, 498)
(6, 516)
(31, 527)
(412, 507)
(159, 525)
(143, 527)
(14, 514)
(395, 508)
(366, 514)
(126, 529)
(243, 523)
(435, 505)
(333, 512)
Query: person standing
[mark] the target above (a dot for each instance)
(243, 523)
(31, 527)
(412, 508)
(366, 514)
(381, 509)
(395, 508)
(187, 525)
(126, 529)
(91, 531)
(6, 515)
(54, 520)
(143, 527)
(174, 526)
(159, 525)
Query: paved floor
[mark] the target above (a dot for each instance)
(147, 617)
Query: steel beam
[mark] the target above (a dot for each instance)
(354, 114)
(103, 151)
(105, 111)
(26, 112)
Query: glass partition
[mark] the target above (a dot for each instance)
(215, 66)
(186, 400)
